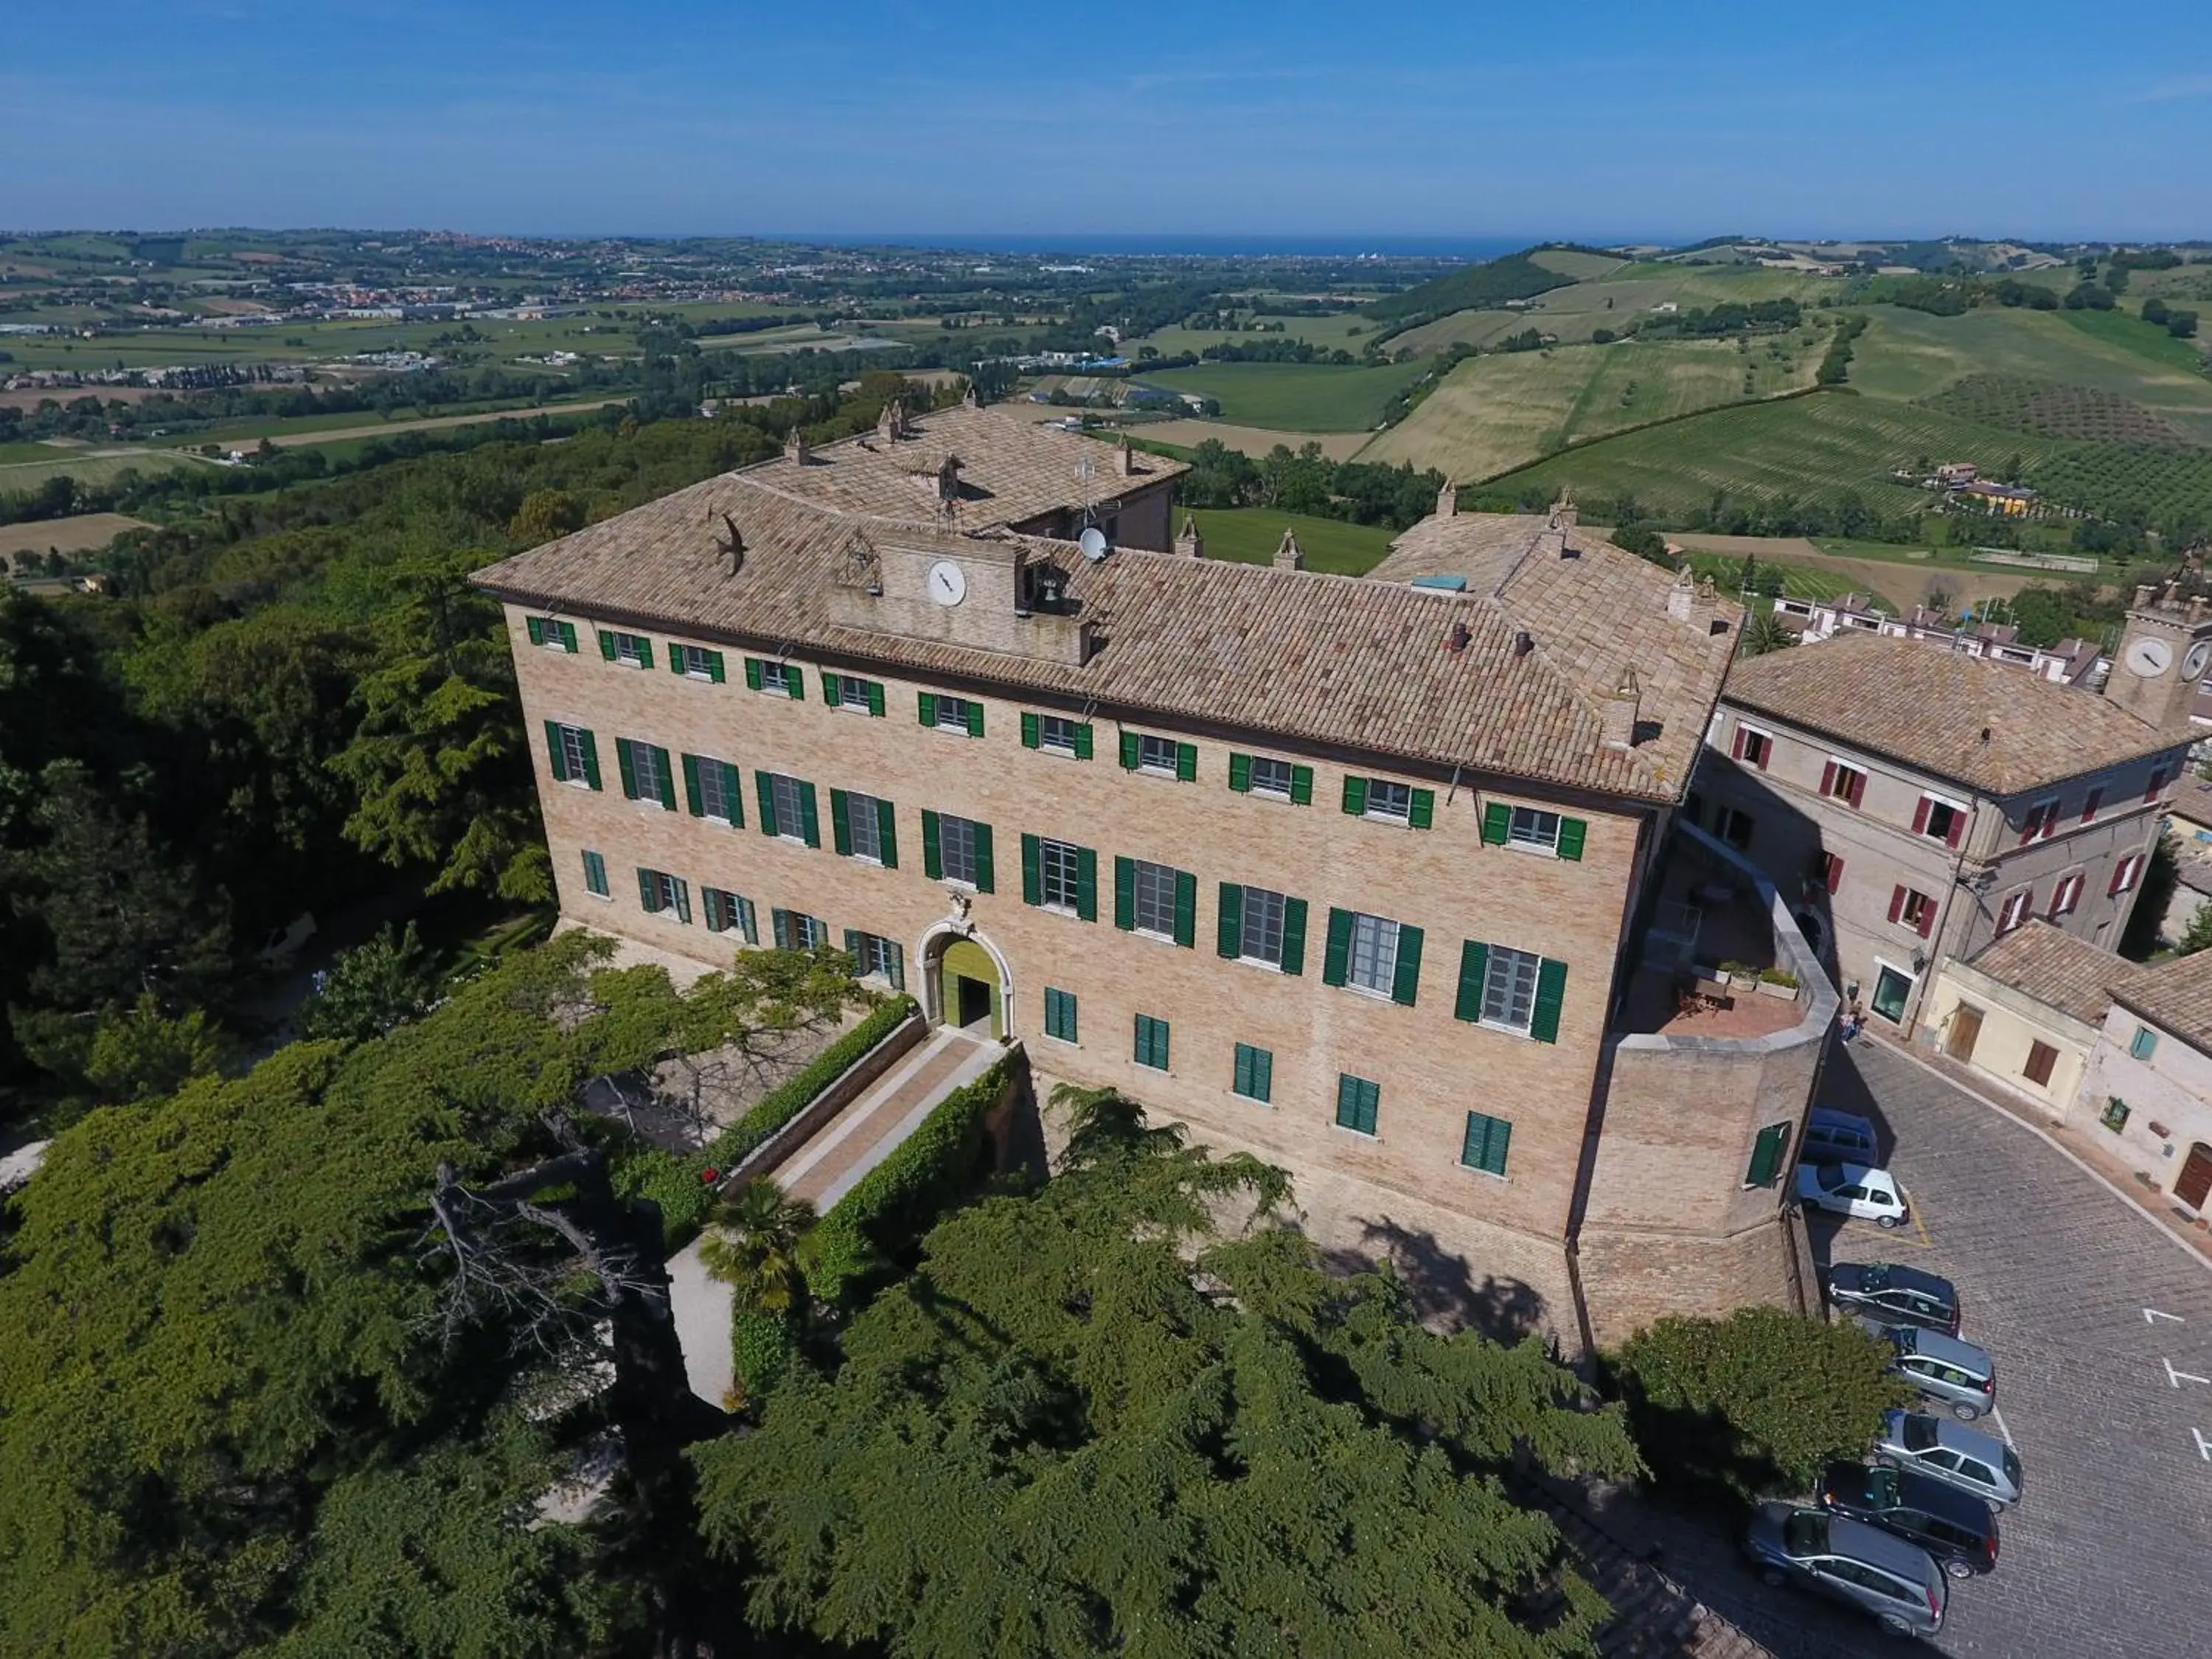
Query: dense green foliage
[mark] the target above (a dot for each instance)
(1753, 1404)
(1306, 481)
(1515, 276)
(371, 988)
(1091, 1423)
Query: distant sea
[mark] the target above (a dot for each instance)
(1074, 243)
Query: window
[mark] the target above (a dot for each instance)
(710, 787)
(1940, 820)
(1278, 780)
(1057, 734)
(1356, 1102)
(795, 931)
(647, 774)
(2144, 1043)
(783, 678)
(1735, 827)
(1512, 990)
(1389, 802)
(1843, 782)
(2042, 818)
(1766, 1155)
(1530, 830)
(553, 635)
(1254, 1074)
(1486, 1143)
(2091, 802)
(1509, 988)
(631, 650)
(851, 692)
(2160, 777)
(1151, 1043)
(2015, 910)
(696, 662)
(2041, 1057)
(2124, 875)
(1915, 910)
(2115, 1114)
(1258, 925)
(663, 895)
(864, 827)
(961, 714)
(1059, 875)
(787, 808)
(1155, 898)
(876, 958)
(1373, 954)
(573, 753)
(728, 913)
(1828, 870)
(957, 849)
(1753, 746)
(1162, 758)
(595, 876)
(1060, 1014)
(2067, 894)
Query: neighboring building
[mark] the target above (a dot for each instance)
(2150, 1082)
(2189, 828)
(1924, 802)
(2028, 1012)
(1372, 879)
(2011, 501)
(2071, 662)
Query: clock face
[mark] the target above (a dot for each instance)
(2149, 657)
(2199, 659)
(948, 583)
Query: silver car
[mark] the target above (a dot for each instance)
(1898, 1582)
(1952, 1453)
(1960, 1375)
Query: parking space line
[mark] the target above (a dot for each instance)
(2003, 1433)
(1919, 1217)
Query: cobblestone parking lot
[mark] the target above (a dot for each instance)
(2102, 1327)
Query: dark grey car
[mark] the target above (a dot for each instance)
(1848, 1561)
(1891, 1295)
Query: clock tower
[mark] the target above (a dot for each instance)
(2164, 655)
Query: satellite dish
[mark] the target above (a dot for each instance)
(1093, 541)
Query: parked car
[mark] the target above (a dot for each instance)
(1834, 1137)
(1889, 1294)
(283, 943)
(1852, 1189)
(1952, 1453)
(1960, 1375)
(1898, 1582)
(1959, 1530)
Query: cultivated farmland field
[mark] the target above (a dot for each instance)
(1572, 262)
(1295, 397)
(1250, 535)
(88, 466)
(1252, 440)
(72, 535)
(1614, 301)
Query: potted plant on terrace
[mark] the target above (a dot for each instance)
(1741, 976)
(1777, 982)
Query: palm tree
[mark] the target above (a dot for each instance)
(1763, 632)
(751, 1244)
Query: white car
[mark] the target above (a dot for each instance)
(1853, 1190)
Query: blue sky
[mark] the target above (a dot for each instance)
(1603, 119)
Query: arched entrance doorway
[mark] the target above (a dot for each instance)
(965, 983)
(2195, 1180)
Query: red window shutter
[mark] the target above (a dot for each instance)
(1828, 778)
(2121, 871)
(1858, 787)
(1737, 753)
(1927, 917)
(1920, 816)
(1835, 872)
(2157, 783)
(2050, 820)
(1896, 902)
(2027, 828)
(1958, 827)
(1766, 749)
(2090, 803)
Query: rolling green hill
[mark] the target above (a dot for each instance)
(1515, 276)
(1295, 397)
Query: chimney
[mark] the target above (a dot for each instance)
(1680, 595)
(1448, 501)
(1562, 510)
(968, 400)
(1288, 556)
(1188, 541)
(1125, 460)
(1706, 606)
(1617, 720)
(794, 448)
(890, 425)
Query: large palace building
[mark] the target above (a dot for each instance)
(1377, 877)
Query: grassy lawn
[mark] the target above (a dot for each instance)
(86, 466)
(1345, 330)
(1250, 535)
(2129, 331)
(1295, 396)
(1909, 353)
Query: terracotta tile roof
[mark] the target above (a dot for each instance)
(1929, 708)
(2050, 964)
(2176, 995)
(1335, 660)
(1012, 471)
(2192, 799)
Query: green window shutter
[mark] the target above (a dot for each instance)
(986, 871)
(626, 758)
(535, 627)
(887, 835)
(753, 673)
(567, 636)
(683, 901)
(595, 874)
(645, 893)
(765, 789)
(1766, 1155)
(829, 693)
(1229, 933)
(1240, 774)
(1186, 915)
(876, 699)
(666, 772)
(731, 794)
(841, 833)
(1571, 832)
(1030, 739)
(1125, 894)
(1241, 1075)
(692, 797)
(1355, 796)
(644, 652)
(714, 669)
(591, 745)
(553, 751)
(1487, 1141)
(1424, 810)
(794, 681)
(1187, 762)
(853, 948)
(1407, 979)
(1474, 969)
(1497, 818)
(1083, 740)
(925, 703)
(1087, 883)
(1302, 786)
(1255, 1073)
(1357, 1102)
(1550, 992)
(898, 963)
(810, 820)
(749, 920)
(781, 921)
(1294, 936)
(975, 717)
(932, 849)
(1032, 869)
(1128, 752)
(675, 658)
(1336, 955)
